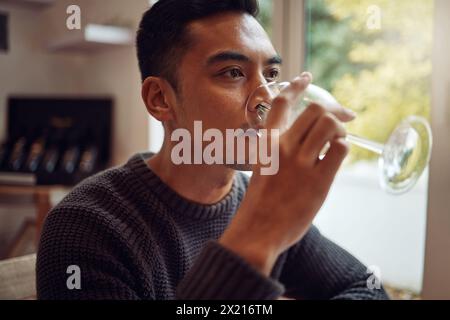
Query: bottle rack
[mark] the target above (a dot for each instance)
(55, 141)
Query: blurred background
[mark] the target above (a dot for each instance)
(70, 106)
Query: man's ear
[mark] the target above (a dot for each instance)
(159, 98)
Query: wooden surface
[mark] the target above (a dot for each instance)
(41, 198)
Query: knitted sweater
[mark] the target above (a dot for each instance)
(133, 237)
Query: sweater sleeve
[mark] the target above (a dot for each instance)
(79, 237)
(219, 274)
(317, 268)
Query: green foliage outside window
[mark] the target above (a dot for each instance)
(380, 70)
(265, 15)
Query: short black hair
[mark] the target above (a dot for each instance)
(162, 38)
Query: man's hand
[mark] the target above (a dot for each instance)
(343, 114)
(278, 210)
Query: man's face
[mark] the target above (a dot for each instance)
(230, 56)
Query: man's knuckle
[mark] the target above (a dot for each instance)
(298, 86)
(316, 109)
(329, 122)
(342, 146)
(281, 100)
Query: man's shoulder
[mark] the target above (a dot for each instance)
(107, 190)
(104, 205)
(96, 186)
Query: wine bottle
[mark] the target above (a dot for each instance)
(89, 157)
(37, 151)
(53, 153)
(20, 150)
(72, 154)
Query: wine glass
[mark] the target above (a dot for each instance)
(402, 159)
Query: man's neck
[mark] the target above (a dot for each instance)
(204, 184)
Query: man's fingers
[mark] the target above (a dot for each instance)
(343, 114)
(277, 117)
(339, 149)
(326, 128)
(303, 124)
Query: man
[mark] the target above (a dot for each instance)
(151, 229)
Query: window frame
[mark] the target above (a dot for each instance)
(436, 280)
(289, 35)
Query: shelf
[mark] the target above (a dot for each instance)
(94, 37)
(16, 178)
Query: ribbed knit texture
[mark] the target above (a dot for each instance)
(133, 237)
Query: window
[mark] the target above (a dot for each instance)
(265, 15)
(375, 57)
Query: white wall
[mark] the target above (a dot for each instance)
(29, 68)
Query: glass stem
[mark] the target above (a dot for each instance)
(366, 144)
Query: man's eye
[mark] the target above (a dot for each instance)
(234, 73)
(272, 75)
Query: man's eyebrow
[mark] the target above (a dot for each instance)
(236, 56)
(275, 60)
(226, 56)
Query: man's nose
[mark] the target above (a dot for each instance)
(261, 95)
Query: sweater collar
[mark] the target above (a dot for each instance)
(153, 183)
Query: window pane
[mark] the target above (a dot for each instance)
(265, 15)
(375, 57)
